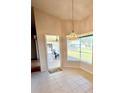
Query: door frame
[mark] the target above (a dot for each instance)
(47, 49)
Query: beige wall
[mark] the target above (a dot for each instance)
(80, 27)
(47, 24)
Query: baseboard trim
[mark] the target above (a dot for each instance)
(78, 68)
(71, 67)
(86, 70)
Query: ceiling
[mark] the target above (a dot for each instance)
(63, 8)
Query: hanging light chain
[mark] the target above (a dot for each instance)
(72, 35)
(72, 16)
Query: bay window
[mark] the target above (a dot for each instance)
(73, 50)
(80, 49)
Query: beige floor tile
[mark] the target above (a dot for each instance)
(66, 81)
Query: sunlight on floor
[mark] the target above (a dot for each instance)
(66, 81)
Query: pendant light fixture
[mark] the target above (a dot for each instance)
(72, 35)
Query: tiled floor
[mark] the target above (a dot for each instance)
(66, 81)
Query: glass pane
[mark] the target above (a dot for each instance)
(73, 47)
(86, 49)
